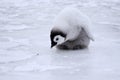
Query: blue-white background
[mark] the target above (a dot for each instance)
(25, 52)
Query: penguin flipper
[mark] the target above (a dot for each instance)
(90, 36)
(73, 34)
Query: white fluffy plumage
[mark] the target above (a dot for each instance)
(71, 22)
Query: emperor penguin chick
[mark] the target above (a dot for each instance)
(70, 30)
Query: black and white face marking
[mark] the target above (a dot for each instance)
(57, 37)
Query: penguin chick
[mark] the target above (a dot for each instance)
(70, 30)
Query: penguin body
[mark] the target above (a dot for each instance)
(70, 30)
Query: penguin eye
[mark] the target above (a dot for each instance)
(57, 39)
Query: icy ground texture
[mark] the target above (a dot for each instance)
(25, 52)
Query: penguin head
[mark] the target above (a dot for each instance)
(57, 37)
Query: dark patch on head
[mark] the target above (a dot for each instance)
(55, 33)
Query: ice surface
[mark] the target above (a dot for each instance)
(25, 52)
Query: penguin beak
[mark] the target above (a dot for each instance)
(53, 44)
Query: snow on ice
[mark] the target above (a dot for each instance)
(25, 52)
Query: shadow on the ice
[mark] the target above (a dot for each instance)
(64, 51)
